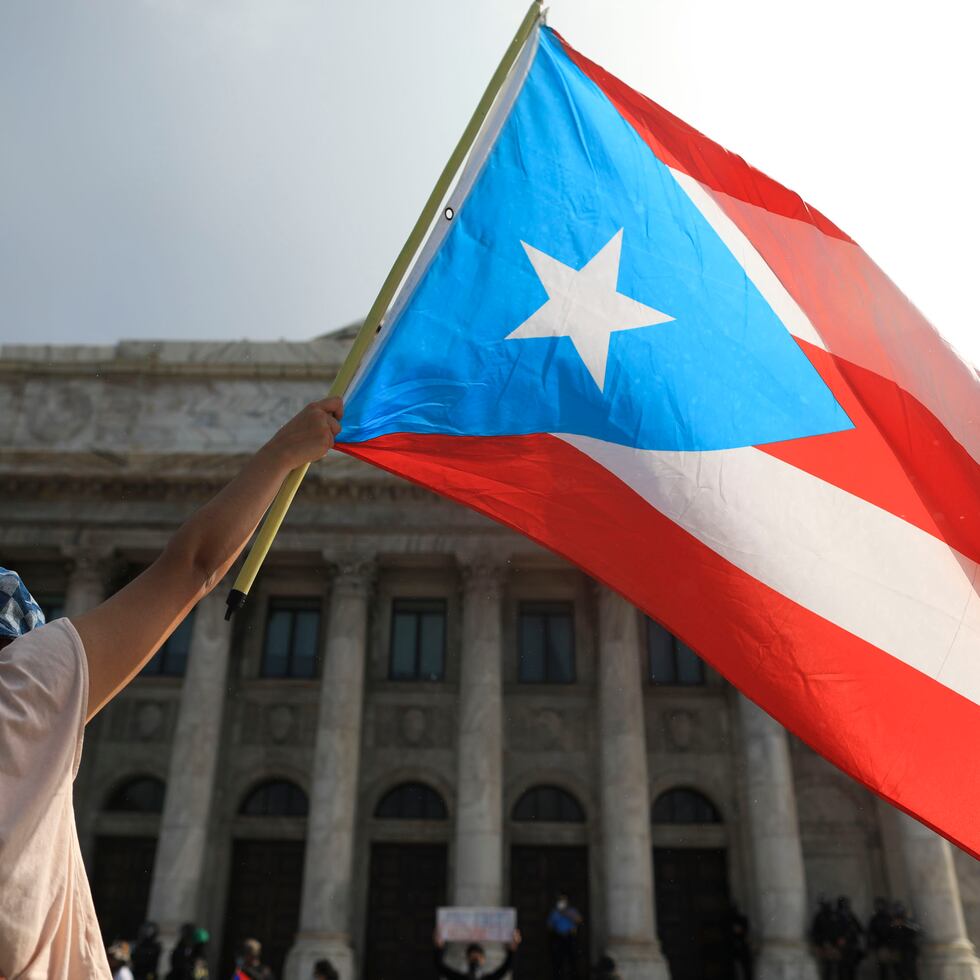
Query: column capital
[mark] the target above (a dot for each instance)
(90, 559)
(352, 574)
(483, 575)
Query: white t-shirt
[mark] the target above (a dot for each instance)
(48, 928)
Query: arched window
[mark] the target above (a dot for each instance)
(144, 794)
(275, 798)
(411, 801)
(684, 806)
(548, 803)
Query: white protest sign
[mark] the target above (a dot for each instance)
(467, 925)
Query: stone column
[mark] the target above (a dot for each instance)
(87, 581)
(176, 891)
(780, 925)
(325, 913)
(479, 783)
(625, 796)
(946, 951)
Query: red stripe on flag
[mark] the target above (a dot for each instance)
(882, 722)
(682, 147)
(898, 456)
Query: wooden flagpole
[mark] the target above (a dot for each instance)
(372, 323)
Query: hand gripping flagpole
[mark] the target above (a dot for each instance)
(372, 323)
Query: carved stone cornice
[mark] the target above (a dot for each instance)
(144, 487)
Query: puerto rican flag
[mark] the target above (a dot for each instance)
(629, 345)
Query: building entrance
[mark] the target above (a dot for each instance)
(264, 891)
(691, 886)
(537, 876)
(122, 869)
(407, 884)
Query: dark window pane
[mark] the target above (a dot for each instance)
(568, 809)
(546, 643)
(403, 635)
(670, 660)
(690, 667)
(142, 795)
(684, 806)
(433, 807)
(418, 639)
(550, 804)
(411, 801)
(306, 635)
(432, 644)
(275, 656)
(532, 649)
(275, 798)
(292, 638)
(660, 646)
(413, 805)
(561, 649)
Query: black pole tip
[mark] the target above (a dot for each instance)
(236, 599)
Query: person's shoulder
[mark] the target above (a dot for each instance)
(44, 675)
(46, 654)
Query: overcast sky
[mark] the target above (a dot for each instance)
(249, 168)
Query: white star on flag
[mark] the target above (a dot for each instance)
(584, 305)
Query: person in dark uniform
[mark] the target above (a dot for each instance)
(563, 925)
(737, 926)
(906, 939)
(881, 940)
(849, 934)
(823, 936)
(146, 953)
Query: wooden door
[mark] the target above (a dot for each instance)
(122, 869)
(692, 902)
(537, 876)
(407, 885)
(264, 890)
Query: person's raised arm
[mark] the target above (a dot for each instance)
(122, 633)
(508, 963)
(439, 961)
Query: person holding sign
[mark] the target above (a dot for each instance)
(476, 960)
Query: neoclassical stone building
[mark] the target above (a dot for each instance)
(416, 707)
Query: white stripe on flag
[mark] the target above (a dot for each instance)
(850, 562)
(756, 268)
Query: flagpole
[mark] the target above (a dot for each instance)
(372, 322)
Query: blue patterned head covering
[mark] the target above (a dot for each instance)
(19, 613)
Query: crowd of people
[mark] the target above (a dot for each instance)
(188, 959)
(840, 942)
